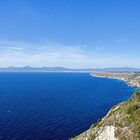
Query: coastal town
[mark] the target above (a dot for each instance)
(132, 78)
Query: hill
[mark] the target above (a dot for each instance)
(121, 123)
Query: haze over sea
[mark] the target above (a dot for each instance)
(54, 106)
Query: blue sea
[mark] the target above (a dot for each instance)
(54, 106)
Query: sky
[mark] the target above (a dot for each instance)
(70, 33)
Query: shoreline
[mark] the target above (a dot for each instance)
(117, 124)
(105, 129)
(129, 83)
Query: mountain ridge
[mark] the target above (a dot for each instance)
(64, 69)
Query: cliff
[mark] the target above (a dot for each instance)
(121, 123)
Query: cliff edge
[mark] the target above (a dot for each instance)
(121, 123)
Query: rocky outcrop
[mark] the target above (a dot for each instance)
(106, 133)
(121, 123)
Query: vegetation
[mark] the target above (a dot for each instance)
(125, 117)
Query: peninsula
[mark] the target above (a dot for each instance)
(132, 78)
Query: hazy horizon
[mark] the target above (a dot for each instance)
(28, 66)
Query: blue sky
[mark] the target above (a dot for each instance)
(70, 33)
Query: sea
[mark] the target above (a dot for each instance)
(54, 106)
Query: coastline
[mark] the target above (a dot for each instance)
(120, 123)
(131, 83)
(107, 130)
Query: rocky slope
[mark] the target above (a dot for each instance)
(121, 123)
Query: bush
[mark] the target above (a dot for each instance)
(136, 96)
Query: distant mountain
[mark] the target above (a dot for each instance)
(63, 69)
(33, 69)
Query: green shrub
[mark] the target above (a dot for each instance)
(136, 96)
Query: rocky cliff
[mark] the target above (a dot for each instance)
(121, 123)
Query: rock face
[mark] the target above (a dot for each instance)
(121, 123)
(106, 133)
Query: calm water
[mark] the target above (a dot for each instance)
(54, 106)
